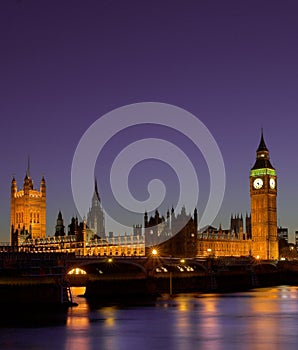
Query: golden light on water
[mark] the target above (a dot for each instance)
(109, 315)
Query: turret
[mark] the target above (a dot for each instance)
(195, 219)
(156, 216)
(145, 219)
(173, 213)
(84, 230)
(13, 186)
(60, 228)
(43, 187)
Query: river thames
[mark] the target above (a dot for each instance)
(265, 318)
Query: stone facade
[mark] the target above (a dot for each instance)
(215, 243)
(27, 211)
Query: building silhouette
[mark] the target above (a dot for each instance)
(91, 229)
(236, 225)
(248, 225)
(283, 233)
(60, 228)
(27, 210)
(175, 235)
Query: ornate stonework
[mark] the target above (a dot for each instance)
(27, 211)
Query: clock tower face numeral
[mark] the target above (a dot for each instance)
(272, 183)
(258, 183)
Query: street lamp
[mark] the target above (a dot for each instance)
(154, 252)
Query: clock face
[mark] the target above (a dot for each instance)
(272, 183)
(258, 183)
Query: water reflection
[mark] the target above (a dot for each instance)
(251, 320)
(259, 319)
(109, 315)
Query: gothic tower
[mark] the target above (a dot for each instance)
(95, 217)
(263, 194)
(236, 224)
(27, 210)
(60, 228)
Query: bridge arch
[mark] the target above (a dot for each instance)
(178, 266)
(76, 271)
(109, 266)
(264, 267)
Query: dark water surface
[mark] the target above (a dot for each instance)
(260, 319)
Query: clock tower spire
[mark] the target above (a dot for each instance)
(263, 194)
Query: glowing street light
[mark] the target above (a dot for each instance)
(154, 252)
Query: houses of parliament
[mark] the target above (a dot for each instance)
(259, 239)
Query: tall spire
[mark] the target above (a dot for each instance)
(96, 189)
(263, 158)
(59, 215)
(28, 167)
(28, 180)
(262, 146)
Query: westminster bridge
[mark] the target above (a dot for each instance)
(114, 275)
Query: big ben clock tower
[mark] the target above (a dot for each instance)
(263, 194)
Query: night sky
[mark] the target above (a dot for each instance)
(64, 64)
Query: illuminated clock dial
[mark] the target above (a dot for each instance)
(258, 183)
(272, 183)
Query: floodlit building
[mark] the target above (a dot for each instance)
(27, 210)
(260, 239)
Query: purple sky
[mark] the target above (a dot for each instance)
(63, 64)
